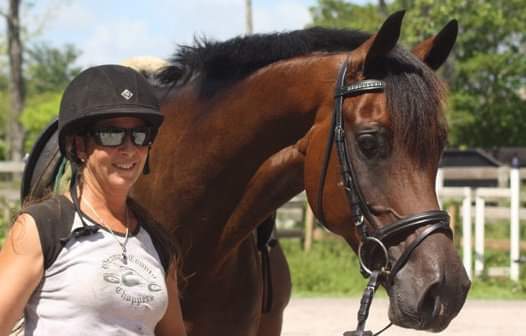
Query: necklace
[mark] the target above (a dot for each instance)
(123, 244)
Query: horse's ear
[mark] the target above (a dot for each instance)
(384, 40)
(435, 50)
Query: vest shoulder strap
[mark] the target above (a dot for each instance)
(54, 219)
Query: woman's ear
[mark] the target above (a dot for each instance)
(77, 147)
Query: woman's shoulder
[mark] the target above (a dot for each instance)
(51, 203)
(53, 219)
(23, 239)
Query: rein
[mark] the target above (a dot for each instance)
(373, 238)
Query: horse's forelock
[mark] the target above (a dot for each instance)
(415, 98)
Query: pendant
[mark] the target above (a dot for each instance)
(124, 256)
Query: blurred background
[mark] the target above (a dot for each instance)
(45, 43)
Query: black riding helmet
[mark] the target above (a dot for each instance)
(105, 91)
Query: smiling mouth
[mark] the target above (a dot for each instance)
(125, 166)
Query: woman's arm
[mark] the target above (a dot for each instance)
(21, 269)
(172, 322)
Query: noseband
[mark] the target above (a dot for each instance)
(374, 238)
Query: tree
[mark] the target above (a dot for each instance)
(40, 110)
(49, 68)
(342, 14)
(4, 111)
(489, 70)
(15, 131)
(486, 71)
(48, 71)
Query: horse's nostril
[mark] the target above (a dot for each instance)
(429, 306)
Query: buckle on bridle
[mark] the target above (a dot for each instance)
(367, 270)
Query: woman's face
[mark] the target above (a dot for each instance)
(113, 168)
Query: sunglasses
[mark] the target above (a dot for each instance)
(115, 136)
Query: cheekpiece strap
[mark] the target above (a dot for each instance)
(360, 87)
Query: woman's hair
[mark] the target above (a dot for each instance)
(164, 240)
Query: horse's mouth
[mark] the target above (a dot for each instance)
(430, 315)
(435, 324)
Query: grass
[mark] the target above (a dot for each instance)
(495, 288)
(3, 231)
(330, 268)
(4, 224)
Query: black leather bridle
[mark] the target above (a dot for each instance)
(374, 238)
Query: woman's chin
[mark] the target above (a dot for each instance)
(124, 180)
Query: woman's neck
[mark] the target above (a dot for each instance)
(112, 200)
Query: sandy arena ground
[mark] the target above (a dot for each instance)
(331, 317)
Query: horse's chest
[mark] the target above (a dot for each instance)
(227, 303)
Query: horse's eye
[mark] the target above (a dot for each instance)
(369, 144)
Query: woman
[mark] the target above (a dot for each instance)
(91, 261)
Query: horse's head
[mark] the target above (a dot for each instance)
(370, 168)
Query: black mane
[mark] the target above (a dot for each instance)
(414, 93)
(237, 58)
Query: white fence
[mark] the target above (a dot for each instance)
(479, 196)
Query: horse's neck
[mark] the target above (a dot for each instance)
(270, 110)
(209, 149)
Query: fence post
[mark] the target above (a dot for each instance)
(309, 227)
(452, 211)
(515, 222)
(502, 177)
(466, 231)
(479, 235)
(439, 184)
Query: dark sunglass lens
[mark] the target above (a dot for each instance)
(110, 137)
(141, 136)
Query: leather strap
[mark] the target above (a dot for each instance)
(444, 226)
(411, 223)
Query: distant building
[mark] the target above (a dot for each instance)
(507, 155)
(468, 158)
(489, 166)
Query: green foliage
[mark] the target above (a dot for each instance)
(3, 232)
(39, 111)
(342, 14)
(50, 69)
(47, 71)
(4, 108)
(486, 287)
(4, 82)
(487, 110)
(329, 268)
(485, 72)
(494, 288)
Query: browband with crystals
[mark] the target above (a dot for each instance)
(363, 86)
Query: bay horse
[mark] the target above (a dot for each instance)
(247, 125)
(351, 118)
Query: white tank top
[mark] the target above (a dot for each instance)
(90, 290)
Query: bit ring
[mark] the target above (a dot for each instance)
(382, 246)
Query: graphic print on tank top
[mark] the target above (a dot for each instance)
(133, 280)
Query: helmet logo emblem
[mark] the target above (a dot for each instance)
(127, 94)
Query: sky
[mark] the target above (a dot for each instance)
(111, 31)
